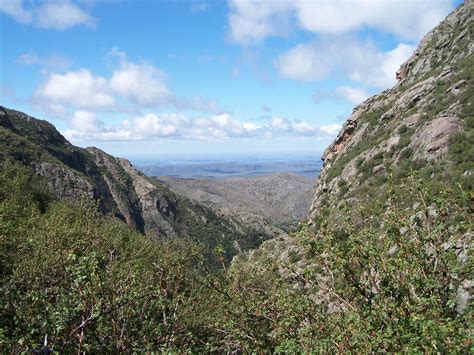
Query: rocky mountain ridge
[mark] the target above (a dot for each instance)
(143, 203)
(408, 127)
(399, 176)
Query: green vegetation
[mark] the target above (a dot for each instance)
(385, 266)
(372, 116)
(461, 152)
(31, 142)
(86, 282)
(391, 291)
(213, 233)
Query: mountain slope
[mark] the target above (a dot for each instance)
(385, 266)
(141, 202)
(423, 124)
(385, 262)
(282, 198)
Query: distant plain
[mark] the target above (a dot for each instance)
(217, 167)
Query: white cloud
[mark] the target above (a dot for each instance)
(305, 63)
(141, 83)
(154, 126)
(279, 124)
(15, 9)
(78, 89)
(130, 87)
(251, 21)
(389, 64)
(51, 14)
(407, 19)
(51, 62)
(360, 60)
(60, 15)
(86, 122)
(353, 95)
(85, 125)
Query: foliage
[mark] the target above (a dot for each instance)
(366, 290)
(461, 152)
(80, 281)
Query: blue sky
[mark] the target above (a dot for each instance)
(151, 78)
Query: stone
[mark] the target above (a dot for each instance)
(432, 139)
(378, 168)
(403, 230)
(393, 251)
(463, 295)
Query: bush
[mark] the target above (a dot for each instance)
(82, 282)
(376, 290)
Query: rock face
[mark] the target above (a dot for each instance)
(413, 122)
(156, 208)
(141, 202)
(431, 140)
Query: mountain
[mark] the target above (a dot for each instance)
(119, 189)
(423, 124)
(384, 263)
(283, 199)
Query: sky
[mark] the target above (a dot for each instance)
(169, 77)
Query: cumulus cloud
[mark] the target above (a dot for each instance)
(130, 87)
(60, 15)
(383, 74)
(85, 122)
(141, 83)
(360, 60)
(78, 89)
(85, 125)
(52, 14)
(250, 21)
(331, 129)
(305, 63)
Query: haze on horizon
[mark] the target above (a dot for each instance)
(204, 77)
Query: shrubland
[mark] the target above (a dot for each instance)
(76, 280)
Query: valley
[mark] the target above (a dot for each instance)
(283, 199)
(365, 248)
